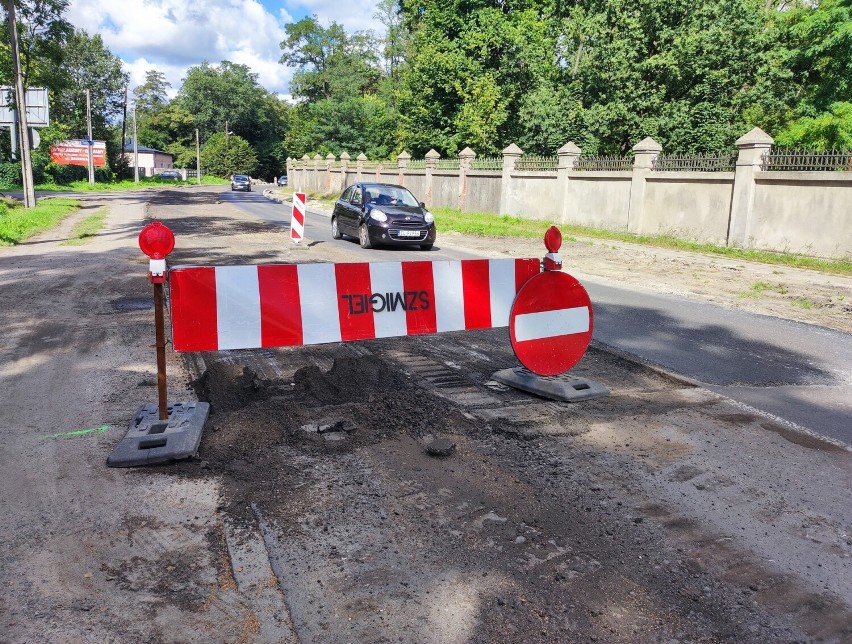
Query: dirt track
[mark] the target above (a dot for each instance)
(661, 512)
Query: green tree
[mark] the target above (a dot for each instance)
(88, 65)
(152, 95)
(329, 62)
(224, 155)
(42, 34)
(228, 96)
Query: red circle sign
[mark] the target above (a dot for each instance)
(156, 240)
(551, 323)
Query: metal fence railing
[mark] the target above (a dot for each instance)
(707, 162)
(487, 163)
(604, 163)
(417, 164)
(808, 160)
(537, 163)
(448, 164)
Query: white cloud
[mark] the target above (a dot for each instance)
(354, 15)
(172, 35)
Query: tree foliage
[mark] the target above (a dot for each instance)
(446, 74)
(224, 155)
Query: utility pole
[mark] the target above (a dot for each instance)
(124, 125)
(90, 143)
(135, 149)
(197, 159)
(21, 103)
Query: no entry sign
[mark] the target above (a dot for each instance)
(551, 323)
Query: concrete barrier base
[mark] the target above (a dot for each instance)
(150, 440)
(564, 387)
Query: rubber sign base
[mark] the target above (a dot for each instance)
(563, 387)
(150, 441)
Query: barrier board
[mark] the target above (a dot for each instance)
(217, 308)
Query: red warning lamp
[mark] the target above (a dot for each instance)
(157, 241)
(553, 242)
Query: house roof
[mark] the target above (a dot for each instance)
(142, 148)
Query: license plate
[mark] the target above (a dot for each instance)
(409, 233)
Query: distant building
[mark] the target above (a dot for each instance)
(151, 161)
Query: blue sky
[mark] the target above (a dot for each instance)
(173, 35)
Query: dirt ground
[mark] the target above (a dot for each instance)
(639, 517)
(314, 512)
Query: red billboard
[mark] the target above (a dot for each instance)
(77, 153)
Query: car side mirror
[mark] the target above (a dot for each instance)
(422, 204)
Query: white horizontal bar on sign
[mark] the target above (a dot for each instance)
(550, 324)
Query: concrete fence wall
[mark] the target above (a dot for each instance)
(808, 212)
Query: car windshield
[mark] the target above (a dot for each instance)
(391, 196)
(240, 177)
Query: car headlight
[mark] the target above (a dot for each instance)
(429, 217)
(378, 215)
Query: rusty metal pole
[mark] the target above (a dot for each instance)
(159, 322)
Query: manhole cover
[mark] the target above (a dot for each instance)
(133, 304)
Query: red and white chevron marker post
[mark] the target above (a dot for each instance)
(297, 220)
(275, 305)
(551, 320)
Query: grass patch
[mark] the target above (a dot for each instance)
(127, 184)
(489, 225)
(18, 223)
(803, 303)
(761, 286)
(86, 229)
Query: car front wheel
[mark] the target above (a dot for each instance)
(364, 237)
(335, 230)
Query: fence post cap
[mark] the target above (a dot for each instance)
(569, 149)
(432, 154)
(512, 151)
(647, 145)
(755, 137)
(467, 153)
(345, 156)
(362, 157)
(403, 155)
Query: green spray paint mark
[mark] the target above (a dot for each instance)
(80, 432)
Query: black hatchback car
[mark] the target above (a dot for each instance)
(381, 213)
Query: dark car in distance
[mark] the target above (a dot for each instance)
(382, 214)
(241, 182)
(282, 181)
(171, 175)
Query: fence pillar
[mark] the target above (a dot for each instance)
(344, 170)
(329, 167)
(507, 200)
(431, 164)
(645, 153)
(305, 161)
(466, 156)
(569, 157)
(402, 160)
(753, 146)
(360, 164)
(316, 181)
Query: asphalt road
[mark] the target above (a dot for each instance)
(795, 372)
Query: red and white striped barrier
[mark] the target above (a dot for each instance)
(297, 220)
(276, 305)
